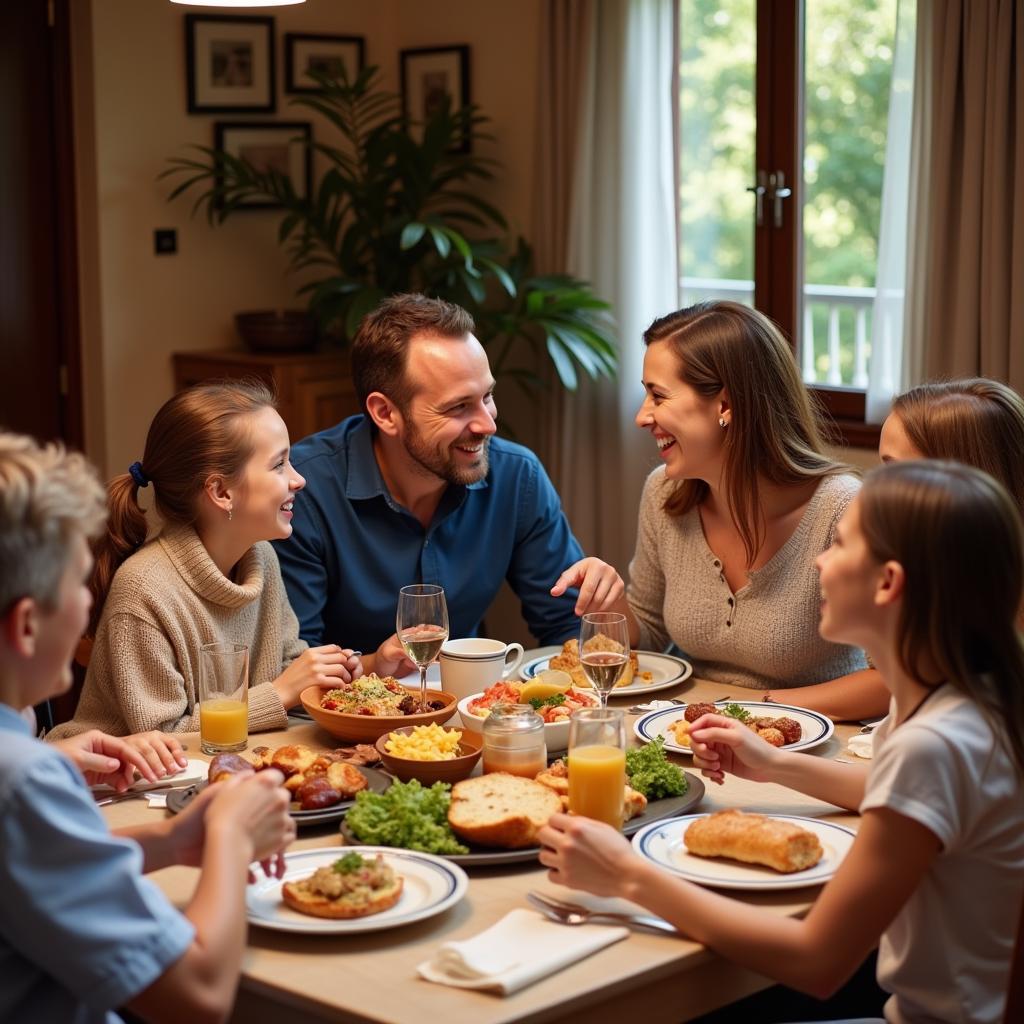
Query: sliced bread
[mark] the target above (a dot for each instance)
(501, 810)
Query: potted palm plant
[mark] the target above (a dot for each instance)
(394, 213)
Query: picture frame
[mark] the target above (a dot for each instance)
(430, 72)
(303, 51)
(229, 64)
(285, 144)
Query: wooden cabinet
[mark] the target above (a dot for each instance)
(314, 389)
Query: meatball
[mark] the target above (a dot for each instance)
(695, 711)
(790, 728)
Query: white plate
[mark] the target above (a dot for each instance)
(666, 670)
(816, 728)
(663, 844)
(432, 885)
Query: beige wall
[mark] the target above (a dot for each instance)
(138, 308)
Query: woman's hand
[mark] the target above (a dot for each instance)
(325, 666)
(585, 854)
(722, 746)
(601, 587)
(391, 659)
(114, 760)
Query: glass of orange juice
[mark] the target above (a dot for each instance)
(597, 764)
(223, 697)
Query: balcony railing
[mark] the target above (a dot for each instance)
(835, 346)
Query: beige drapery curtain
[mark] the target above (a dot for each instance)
(965, 309)
(613, 212)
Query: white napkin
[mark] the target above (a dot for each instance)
(657, 705)
(521, 948)
(195, 771)
(862, 744)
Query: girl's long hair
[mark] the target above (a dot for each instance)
(958, 535)
(973, 420)
(773, 434)
(201, 431)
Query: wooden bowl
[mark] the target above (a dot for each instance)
(366, 728)
(429, 772)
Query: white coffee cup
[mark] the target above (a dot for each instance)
(471, 665)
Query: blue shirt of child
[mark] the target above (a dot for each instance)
(81, 931)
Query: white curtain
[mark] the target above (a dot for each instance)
(893, 361)
(622, 239)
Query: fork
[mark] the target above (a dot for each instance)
(132, 794)
(575, 913)
(639, 709)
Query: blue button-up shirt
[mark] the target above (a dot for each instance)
(353, 547)
(81, 931)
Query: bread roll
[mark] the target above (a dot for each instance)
(338, 895)
(223, 765)
(501, 810)
(754, 839)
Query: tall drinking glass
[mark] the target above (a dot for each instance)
(223, 697)
(422, 627)
(597, 764)
(604, 650)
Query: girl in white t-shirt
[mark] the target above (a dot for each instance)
(925, 574)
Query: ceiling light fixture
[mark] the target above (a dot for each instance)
(238, 3)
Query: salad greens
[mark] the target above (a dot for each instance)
(541, 702)
(348, 864)
(652, 774)
(737, 712)
(406, 815)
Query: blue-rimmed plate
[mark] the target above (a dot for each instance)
(657, 672)
(663, 843)
(815, 729)
(431, 885)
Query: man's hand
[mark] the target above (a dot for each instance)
(114, 760)
(391, 659)
(601, 587)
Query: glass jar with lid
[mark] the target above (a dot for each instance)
(514, 741)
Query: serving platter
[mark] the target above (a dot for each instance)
(666, 670)
(816, 728)
(376, 782)
(431, 885)
(656, 810)
(663, 843)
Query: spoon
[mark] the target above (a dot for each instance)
(575, 913)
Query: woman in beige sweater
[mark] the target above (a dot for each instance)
(217, 457)
(746, 500)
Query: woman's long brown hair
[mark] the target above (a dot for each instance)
(958, 535)
(973, 420)
(201, 431)
(773, 433)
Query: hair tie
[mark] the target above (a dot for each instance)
(137, 474)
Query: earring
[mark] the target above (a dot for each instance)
(722, 423)
(229, 514)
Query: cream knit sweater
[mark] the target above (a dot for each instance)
(765, 636)
(167, 600)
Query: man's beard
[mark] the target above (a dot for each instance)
(443, 462)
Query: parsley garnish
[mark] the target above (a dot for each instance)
(348, 864)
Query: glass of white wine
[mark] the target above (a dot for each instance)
(604, 650)
(422, 627)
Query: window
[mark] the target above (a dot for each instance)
(783, 110)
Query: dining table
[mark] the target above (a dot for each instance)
(372, 977)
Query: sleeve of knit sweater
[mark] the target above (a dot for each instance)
(646, 590)
(135, 664)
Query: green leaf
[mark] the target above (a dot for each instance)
(365, 300)
(563, 364)
(411, 234)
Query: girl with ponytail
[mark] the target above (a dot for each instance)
(217, 458)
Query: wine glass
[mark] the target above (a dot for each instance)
(422, 627)
(604, 660)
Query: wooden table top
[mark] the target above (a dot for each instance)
(371, 977)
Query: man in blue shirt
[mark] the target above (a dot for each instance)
(418, 490)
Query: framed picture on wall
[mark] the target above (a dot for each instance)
(429, 75)
(229, 64)
(283, 146)
(326, 54)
